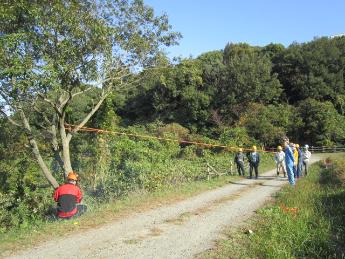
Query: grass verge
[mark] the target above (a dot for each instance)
(104, 213)
(307, 221)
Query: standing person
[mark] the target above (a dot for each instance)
(254, 161)
(306, 156)
(279, 158)
(239, 160)
(299, 162)
(67, 196)
(289, 161)
(295, 155)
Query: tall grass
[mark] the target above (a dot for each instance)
(307, 221)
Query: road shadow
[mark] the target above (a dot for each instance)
(239, 183)
(267, 177)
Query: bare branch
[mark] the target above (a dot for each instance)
(50, 102)
(90, 114)
(63, 103)
(11, 120)
(105, 94)
(81, 92)
(46, 100)
(36, 151)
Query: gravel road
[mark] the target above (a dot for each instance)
(181, 230)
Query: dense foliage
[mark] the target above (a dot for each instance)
(270, 91)
(109, 167)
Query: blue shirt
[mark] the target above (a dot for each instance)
(289, 158)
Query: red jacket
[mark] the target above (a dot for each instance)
(67, 196)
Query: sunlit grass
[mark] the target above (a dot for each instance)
(307, 221)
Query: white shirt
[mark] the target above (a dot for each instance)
(279, 157)
(306, 155)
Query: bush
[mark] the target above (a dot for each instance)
(237, 136)
(22, 198)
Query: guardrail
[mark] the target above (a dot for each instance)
(326, 149)
(322, 149)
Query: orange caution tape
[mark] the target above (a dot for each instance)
(71, 127)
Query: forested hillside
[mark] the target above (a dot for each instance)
(97, 71)
(250, 92)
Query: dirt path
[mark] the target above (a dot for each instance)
(181, 230)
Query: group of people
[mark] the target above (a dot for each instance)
(253, 158)
(295, 159)
(291, 161)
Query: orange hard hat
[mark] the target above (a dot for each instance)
(72, 176)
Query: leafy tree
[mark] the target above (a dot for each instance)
(175, 94)
(246, 78)
(236, 136)
(188, 95)
(273, 51)
(212, 66)
(52, 52)
(322, 125)
(268, 124)
(313, 70)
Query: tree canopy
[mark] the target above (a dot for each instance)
(52, 52)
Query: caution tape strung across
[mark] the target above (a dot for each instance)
(71, 127)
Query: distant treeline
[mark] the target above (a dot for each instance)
(248, 93)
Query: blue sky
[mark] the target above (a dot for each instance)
(209, 24)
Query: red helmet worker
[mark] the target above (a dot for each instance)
(67, 196)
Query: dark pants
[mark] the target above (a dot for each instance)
(81, 209)
(256, 169)
(305, 165)
(240, 168)
(295, 171)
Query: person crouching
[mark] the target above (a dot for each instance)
(67, 196)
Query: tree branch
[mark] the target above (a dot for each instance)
(63, 103)
(87, 118)
(11, 120)
(81, 92)
(36, 151)
(50, 102)
(42, 114)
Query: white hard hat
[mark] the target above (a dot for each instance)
(306, 146)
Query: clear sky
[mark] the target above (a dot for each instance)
(209, 24)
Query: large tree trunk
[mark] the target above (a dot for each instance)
(42, 164)
(65, 146)
(36, 152)
(56, 147)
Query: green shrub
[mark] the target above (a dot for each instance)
(23, 199)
